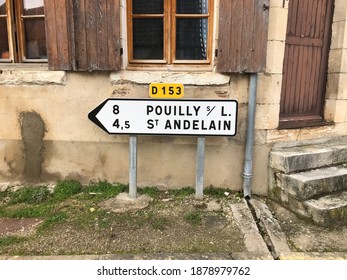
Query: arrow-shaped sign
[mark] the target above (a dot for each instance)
(167, 117)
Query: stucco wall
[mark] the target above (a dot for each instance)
(73, 147)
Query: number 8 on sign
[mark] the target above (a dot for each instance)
(116, 109)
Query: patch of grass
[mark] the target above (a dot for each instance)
(154, 220)
(66, 189)
(28, 211)
(102, 217)
(186, 191)
(292, 246)
(194, 218)
(104, 223)
(159, 223)
(4, 194)
(103, 190)
(3, 211)
(83, 218)
(11, 240)
(147, 217)
(239, 195)
(150, 191)
(56, 218)
(29, 195)
(216, 192)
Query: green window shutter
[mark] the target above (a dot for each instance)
(243, 29)
(91, 35)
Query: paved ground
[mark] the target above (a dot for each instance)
(270, 232)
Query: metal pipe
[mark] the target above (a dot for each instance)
(200, 168)
(248, 167)
(133, 167)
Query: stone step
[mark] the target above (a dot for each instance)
(330, 210)
(314, 183)
(307, 157)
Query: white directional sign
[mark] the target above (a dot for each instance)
(167, 117)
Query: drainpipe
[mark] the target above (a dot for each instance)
(248, 167)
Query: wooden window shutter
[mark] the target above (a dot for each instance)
(83, 35)
(58, 35)
(243, 29)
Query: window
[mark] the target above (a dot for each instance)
(22, 31)
(170, 31)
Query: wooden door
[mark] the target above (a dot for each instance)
(305, 63)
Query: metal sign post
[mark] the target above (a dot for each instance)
(133, 166)
(200, 168)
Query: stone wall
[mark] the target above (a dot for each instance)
(336, 102)
(270, 83)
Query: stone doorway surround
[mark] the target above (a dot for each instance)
(270, 82)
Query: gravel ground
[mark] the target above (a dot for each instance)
(170, 225)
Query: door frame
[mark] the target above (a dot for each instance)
(316, 118)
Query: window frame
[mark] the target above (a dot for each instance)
(169, 41)
(16, 33)
(10, 32)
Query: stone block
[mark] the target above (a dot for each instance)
(269, 88)
(304, 134)
(335, 110)
(267, 116)
(339, 35)
(186, 78)
(277, 24)
(279, 4)
(330, 110)
(337, 86)
(318, 182)
(340, 11)
(32, 77)
(341, 111)
(338, 61)
(288, 201)
(329, 210)
(301, 158)
(275, 56)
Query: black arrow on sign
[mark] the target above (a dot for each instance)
(93, 118)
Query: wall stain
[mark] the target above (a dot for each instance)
(121, 91)
(32, 132)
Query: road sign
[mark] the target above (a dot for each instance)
(167, 117)
(161, 90)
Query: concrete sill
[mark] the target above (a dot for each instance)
(31, 76)
(185, 78)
